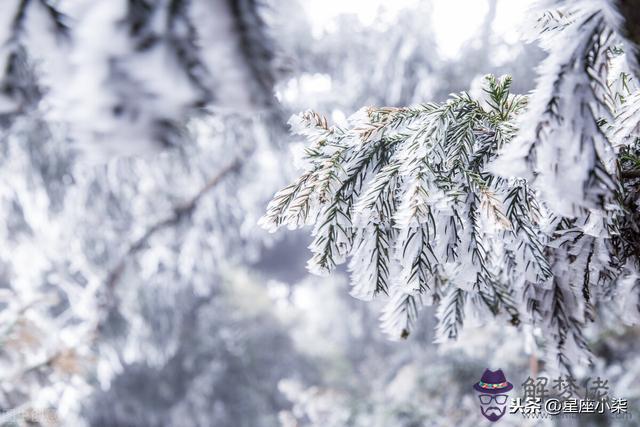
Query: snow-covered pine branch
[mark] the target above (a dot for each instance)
(407, 195)
(404, 193)
(576, 148)
(126, 76)
(560, 146)
(19, 20)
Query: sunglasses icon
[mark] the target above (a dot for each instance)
(500, 399)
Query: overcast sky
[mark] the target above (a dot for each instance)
(449, 17)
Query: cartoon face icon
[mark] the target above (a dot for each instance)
(493, 406)
(492, 393)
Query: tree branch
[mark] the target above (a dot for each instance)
(179, 212)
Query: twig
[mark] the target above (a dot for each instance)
(179, 212)
(36, 366)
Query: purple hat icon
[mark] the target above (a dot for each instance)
(493, 382)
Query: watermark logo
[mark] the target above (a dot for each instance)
(543, 397)
(493, 395)
(562, 397)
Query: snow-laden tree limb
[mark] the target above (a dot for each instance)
(179, 212)
(407, 194)
(127, 75)
(404, 192)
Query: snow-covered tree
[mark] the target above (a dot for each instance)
(82, 238)
(431, 206)
(88, 264)
(126, 75)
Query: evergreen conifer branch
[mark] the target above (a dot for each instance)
(525, 209)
